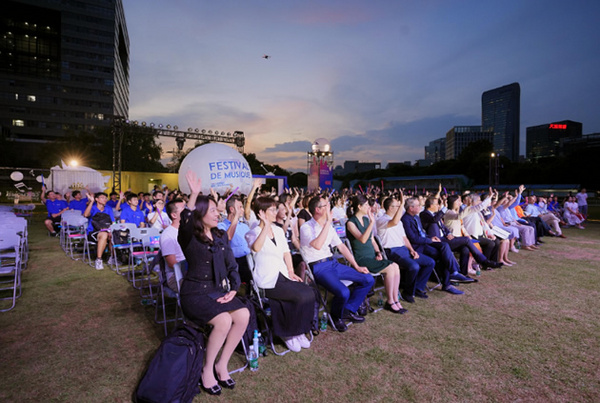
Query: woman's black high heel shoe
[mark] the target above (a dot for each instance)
(227, 383)
(214, 390)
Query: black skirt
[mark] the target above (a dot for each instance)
(199, 302)
(292, 307)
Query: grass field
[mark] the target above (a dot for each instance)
(526, 333)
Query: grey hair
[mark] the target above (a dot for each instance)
(410, 202)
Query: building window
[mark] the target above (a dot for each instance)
(18, 122)
(16, 97)
(31, 98)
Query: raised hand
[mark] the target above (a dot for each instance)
(194, 183)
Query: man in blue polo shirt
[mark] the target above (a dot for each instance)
(78, 202)
(236, 232)
(131, 213)
(97, 230)
(55, 209)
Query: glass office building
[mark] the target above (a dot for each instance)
(501, 113)
(64, 68)
(459, 137)
(545, 140)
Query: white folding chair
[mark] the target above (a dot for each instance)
(261, 300)
(10, 267)
(120, 247)
(145, 243)
(74, 227)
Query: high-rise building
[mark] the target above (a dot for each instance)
(459, 137)
(64, 68)
(436, 151)
(501, 113)
(545, 140)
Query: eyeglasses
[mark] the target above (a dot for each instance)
(322, 206)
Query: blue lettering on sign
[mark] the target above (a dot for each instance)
(228, 165)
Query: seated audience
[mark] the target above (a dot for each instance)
(359, 229)
(316, 237)
(55, 209)
(446, 264)
(131, 213)
(100, 218)
(208, 291)
(415, 268)
(274, 273)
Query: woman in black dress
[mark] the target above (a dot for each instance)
(209, 288)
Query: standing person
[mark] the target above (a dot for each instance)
(208, 291)
(274, 272)
(316, 237)
(100, 217)
(366, 251)
(55, 209)
(582, 205)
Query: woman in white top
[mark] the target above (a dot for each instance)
(292, 302)
(572, 215)
(158, 218)
(338, 212)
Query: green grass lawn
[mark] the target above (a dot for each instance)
(525, 333)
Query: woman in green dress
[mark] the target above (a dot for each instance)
(359, 230)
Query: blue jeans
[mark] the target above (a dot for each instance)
(329, 275)
(414, 272)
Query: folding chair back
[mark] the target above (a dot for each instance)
(10, 267)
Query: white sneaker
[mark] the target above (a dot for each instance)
(293, 344)
(303, 341)
(112, 261)
(99, 265)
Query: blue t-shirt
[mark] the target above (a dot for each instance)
(55, 206)
(96, 210)
(80, 205)
(238, 243)
(112, 203)
(136, 216)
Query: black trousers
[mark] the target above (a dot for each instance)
(464, 246)
(489, 247)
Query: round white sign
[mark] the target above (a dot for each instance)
(219, 167)
(16, 176)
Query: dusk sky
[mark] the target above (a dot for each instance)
(379, 79)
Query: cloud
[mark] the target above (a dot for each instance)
(290, 146)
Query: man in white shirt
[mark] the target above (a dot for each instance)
(169, 246)
(473, 222)
(415, 269)
(316, 237)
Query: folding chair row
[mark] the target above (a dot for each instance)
(10, 267)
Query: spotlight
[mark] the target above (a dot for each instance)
(152, 124)
(203, 131)
(197, 130)
(190, 129)
(160, 125)
(175, 127)
(144, 124)
(168, 126)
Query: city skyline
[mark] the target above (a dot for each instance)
(379, 79)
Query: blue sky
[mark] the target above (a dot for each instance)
(379, 79)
